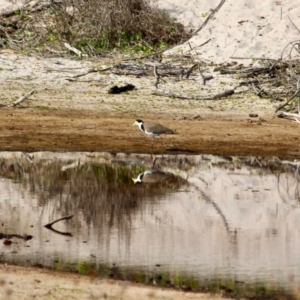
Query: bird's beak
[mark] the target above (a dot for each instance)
(135, 123)
(134, 180)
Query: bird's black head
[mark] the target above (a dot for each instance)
(139, 120)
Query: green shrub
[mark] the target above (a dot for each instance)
(107, 24)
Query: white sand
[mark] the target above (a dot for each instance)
(243, 28)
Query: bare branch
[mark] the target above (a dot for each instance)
(295, 117)
(210, 16)
(294, 24)
(23, 98)
(83, 74)
(189, 71)
(156, 77)
(162, 92)
(287, 102)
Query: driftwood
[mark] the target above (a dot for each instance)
(283, 114)
(186, 74)
(146, 70)
(245, 72)
(20, 100)
(253, 58)
(162, 92)
(23, 98)
(74, 50)
(74, 78)
(134, 70)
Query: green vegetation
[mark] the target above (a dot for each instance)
(128, 25)
(227, 287)
(93, 26)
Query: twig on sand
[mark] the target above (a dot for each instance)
(162, 92)
(188, 73)
(156, 75)
(23, 98)
(294, 24)
(204, 78)
(287, 102)
(74, 78)
(253, 58)
(201, 45)
(210, 16)
(283, 114)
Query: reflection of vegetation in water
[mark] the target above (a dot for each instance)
(85, 268)
(233, 288)
(287, 185)
(226, 287)
(103, 194)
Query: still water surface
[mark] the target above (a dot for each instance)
(192, 221)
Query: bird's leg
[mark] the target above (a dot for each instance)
(152, 146)
(162, 147)
(162, 143)
(153, 162)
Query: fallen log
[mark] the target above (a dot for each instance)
(162, 92)
(23, 98)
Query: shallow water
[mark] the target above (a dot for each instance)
(199, 222)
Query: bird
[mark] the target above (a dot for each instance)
(153, 176)
(153, 129)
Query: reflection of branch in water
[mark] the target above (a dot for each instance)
(204, 181)
(219, 211)
(231, 234)
(278, 188)
(59, 232)
(24, 237)
(291, 165)
(49, 226)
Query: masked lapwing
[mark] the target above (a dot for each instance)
(153, 129)
(153, 176)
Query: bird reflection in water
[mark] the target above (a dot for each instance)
(154, 176)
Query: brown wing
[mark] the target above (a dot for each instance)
(158, 128)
